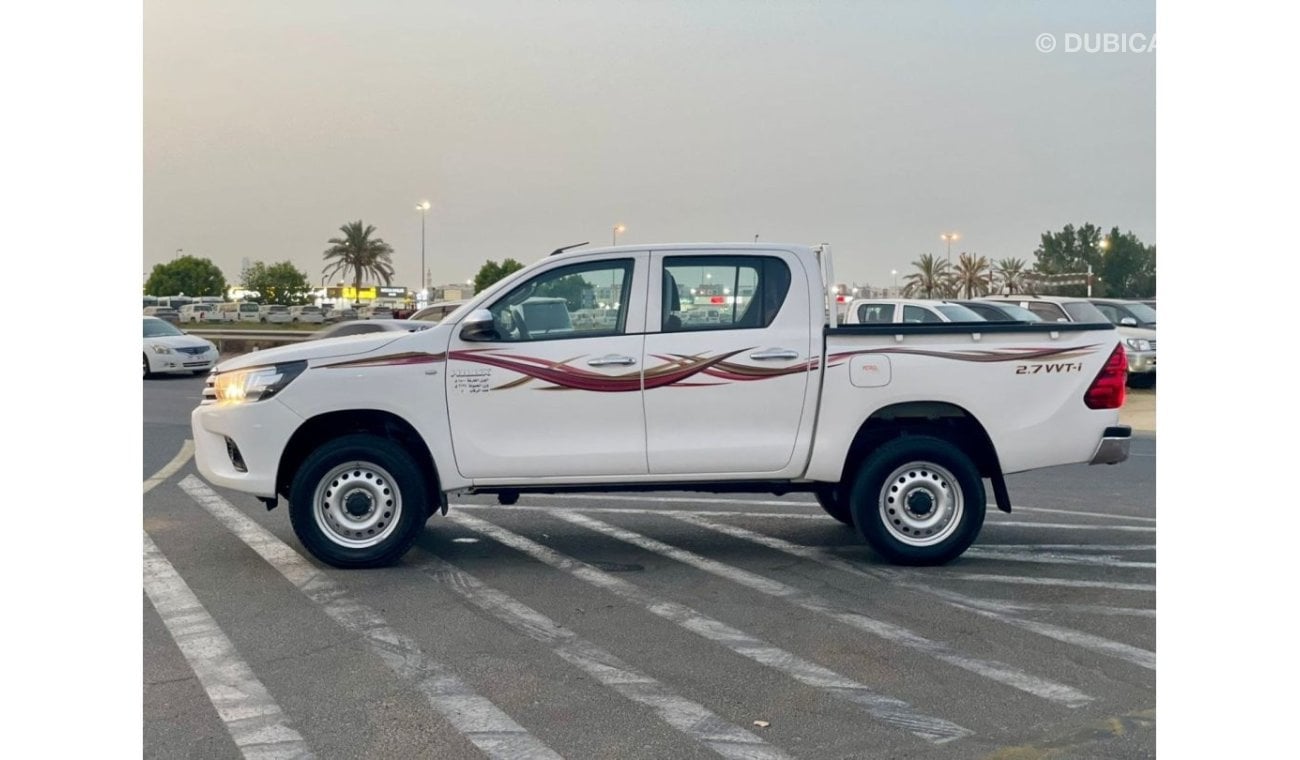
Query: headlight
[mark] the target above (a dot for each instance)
(255, 383)
(157, 349)
(1137, 344)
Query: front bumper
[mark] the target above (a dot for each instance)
(1141, 362)
(1113, 447)
(259, 431)
(180, 361)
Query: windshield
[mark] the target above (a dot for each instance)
(249, 307)
(1144, 314)
(1019, 312)
(958, 313)
(1082, 311)
(157, 328)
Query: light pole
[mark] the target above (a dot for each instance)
(619, 229)
(423, 207)
(894, 272)
(1104, 245)
(949, 237)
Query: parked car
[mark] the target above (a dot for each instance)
(168, 350)
(375, 312)
(1140, 342)
(165, 313)
(274, 314)
(369, 327)
(1126, 313)
(242, 311)
(894, 427)
(997, 311)
(312, 315)
(196, 312)
(903, 310)
(435, 312)
(333, 314)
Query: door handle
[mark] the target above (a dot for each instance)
(611, 360)
(774, 354)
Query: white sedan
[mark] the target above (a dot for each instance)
(168, 350)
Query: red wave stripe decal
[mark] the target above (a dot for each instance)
(410, 357)
(995, 355)
(679, 369)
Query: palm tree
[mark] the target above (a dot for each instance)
(1012, 274)
(932, 278)
(358, 252)
(974, 275)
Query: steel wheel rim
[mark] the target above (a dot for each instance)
(921, 504)
(357, 505)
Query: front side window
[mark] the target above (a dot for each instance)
(578, 301)
(1049, 312)
(722, 292)
(1082, 311)
(915, 314)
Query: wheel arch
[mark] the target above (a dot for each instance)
(322, 428)
(940, 419)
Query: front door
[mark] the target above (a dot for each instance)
(557, 393)
(728, 362)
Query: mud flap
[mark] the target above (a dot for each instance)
(1000, 495)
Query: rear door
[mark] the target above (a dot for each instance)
(728, 355)
(554, 395)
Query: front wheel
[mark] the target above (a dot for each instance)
(918, 500)
(358, 501)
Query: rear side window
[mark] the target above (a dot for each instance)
(875, 312)
(722, 292)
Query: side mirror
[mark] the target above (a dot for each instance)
(479, 327)
(1128, 322)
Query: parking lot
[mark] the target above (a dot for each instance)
(664, 625)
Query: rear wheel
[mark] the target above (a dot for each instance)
(918, 500)
(358, 501)
(147, 373)
(832, 500)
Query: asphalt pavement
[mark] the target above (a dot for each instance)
(662, 625)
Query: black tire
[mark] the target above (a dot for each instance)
(832, 500)
(385, 476)
(1144, 380)
(918, 500)
(147, 373)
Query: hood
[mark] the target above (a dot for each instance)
(178, 341)
(1136, 332)
(348, 345)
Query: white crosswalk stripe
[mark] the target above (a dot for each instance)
(484, 724)
(255, 722)
(1135, 655)
(996, 671)
(889, 710)
(692, 719)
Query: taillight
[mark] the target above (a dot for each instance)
(1107, 391)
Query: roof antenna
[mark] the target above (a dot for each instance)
(567, 247)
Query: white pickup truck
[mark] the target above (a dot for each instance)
(894, 427)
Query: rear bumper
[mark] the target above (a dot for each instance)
(1113, 447)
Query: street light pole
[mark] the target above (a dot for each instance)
(618, 230)
(423, 208)
(894, 272)
(949, 237)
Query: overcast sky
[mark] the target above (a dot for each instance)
(874, 126)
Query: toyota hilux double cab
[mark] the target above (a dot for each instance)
(894, 426)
